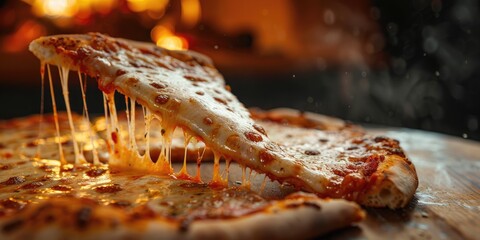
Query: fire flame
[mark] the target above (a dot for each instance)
(164, 37)
(147, 5)
(67, 12)
(69, 8)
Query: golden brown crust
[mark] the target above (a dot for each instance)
(302, 119)
(396, 184)
(58, 218)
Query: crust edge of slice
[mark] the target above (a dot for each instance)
(284, 219)
(395, 186)
(397, 177)
(302, 118)
(303, 215)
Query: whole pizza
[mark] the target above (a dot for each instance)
(186, 159)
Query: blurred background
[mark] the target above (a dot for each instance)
(404, 63)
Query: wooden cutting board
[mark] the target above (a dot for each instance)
(447, 202)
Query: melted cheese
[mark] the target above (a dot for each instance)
(183, 172)
(87, 117)
(55, 115)
(216, 179)
(64, 72)
(42, 109)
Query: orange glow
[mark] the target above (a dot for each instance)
(69, 8)
(19, 40)
(147, 5)
(102, 6)
(173, 42)
(164, 37)
(190, 12)
(54, 8)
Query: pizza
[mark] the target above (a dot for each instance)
(183, 90)
(42, 197)
(119, 176)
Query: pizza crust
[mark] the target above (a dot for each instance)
(396, 177)
(300, 221)
(299, 216)
(395, 186)
(301, 119)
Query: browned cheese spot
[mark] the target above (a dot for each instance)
(380, 139)
(95, 172)
(12, 203)
(260, 129)
(266, 157)
(63, 188)
(110, 188)
(207, 121)
(132, 81)
(358, 141)
(162, 65)
(162, 99)
(233, 142)
(14, 180)
(32, 185)
(200, 93)
(194, 78)
(120, 72)
(5, 167)
(253, 136)
(220, 100)
(158, 85)
(121, 203)
(312, 152)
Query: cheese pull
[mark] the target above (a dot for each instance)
(182, 89)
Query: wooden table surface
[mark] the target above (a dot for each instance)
(446, 204)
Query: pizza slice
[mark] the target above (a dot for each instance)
(372, 163)
(43, 198)
(371, 170)
(183, 89)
